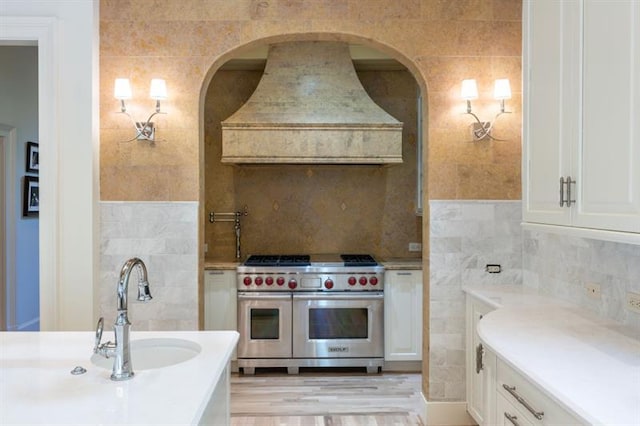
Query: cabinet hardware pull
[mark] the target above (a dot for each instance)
(513, 419)
(512, 390)
(479, 352)
(561, 191)
(569, 183)
(215, 272)
(404, 273)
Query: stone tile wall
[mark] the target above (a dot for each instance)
(164, 236)
(440, 42)
(185, 41)
(313, 208)
(465, 236)
(561, 266)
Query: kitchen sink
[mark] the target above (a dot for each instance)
(147, 354)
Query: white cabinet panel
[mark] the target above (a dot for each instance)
(403, 316)
(550, 108)
(476, 365)
(581, 80)
(508, 415)
(609, 166)
(220, 301)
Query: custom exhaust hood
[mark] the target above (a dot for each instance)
(310, 107)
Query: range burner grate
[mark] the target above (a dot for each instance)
(358, 260)
(278, 260)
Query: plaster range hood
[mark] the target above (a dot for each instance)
(310, 107)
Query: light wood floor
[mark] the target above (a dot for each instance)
(322, 398)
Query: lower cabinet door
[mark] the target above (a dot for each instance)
(403, 316)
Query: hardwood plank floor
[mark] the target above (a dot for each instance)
(325, 398)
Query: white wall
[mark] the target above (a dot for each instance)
(66, 32)
(19, 109)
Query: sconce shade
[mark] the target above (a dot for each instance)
(122, 89)
(502, 89)
(158, 89)
(469, 89)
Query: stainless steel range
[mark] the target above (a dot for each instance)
(310, 311)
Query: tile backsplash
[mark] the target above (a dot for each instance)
(164, 235)
(465, 236)
(561, 266)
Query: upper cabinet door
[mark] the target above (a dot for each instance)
(608, 171)
(551, 62)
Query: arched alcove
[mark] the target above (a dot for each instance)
(412, 69)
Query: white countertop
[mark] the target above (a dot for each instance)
(36, 386)
(589, 365)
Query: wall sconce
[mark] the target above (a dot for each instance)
(501, 91)
(145, 130)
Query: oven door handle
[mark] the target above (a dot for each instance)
(339, 296)
(263, 296)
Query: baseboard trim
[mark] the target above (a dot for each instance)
(437, 413)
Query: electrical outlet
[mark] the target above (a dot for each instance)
(593, 290)
(415, 247)
(206, 247)
(493, 269)
(633, 302)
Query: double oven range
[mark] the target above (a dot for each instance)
(310, 311)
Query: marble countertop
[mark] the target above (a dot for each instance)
(589, 365)
(397, 263)
(36, 386)
(221, 264)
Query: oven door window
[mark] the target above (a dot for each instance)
(338, 323)
(265, 324)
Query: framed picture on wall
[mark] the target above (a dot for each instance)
(33, 160)
(31, 197)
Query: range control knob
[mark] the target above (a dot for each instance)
(363, 280)
(247, 281)
(258, 280)
(280, 281)
(293, 284)
(269, 281)
(328, 284)
(352, 281)
(373, 280)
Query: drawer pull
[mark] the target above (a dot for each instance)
(512, 390)
(479, 353)
(513, 419)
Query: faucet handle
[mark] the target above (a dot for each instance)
(99, 328)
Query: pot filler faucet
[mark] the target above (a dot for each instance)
(120, 350)
(231, 217)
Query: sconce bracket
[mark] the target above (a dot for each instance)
(146, 131)
(480, 130)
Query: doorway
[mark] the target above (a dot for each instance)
(3, 233)
(19, 256)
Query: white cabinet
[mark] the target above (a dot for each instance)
(477, 364)
(580, 108)
(496, 393)
(403, 315)
(220, 300)
(518, 397)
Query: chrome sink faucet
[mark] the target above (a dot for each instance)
(120, 350)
